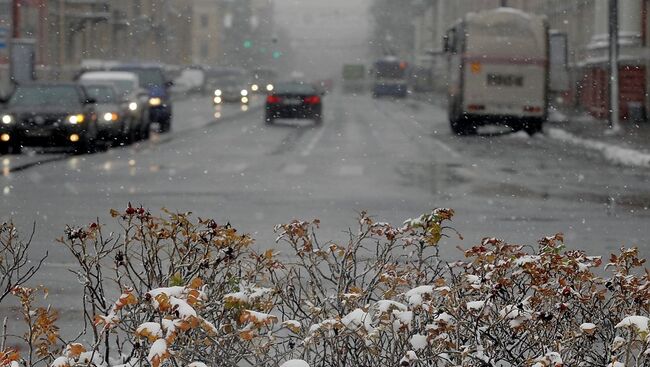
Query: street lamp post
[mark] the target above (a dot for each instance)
(613, 67)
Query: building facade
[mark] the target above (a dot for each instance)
(69, 32)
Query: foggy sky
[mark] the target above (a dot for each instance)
(326, 33)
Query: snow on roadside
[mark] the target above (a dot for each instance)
(613, 153)
(295, 363)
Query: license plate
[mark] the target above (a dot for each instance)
(292, 101)
(38, 133)
(505, 80)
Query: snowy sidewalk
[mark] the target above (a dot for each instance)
(630, 147)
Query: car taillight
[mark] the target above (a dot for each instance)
(312, 100)
(273, 99)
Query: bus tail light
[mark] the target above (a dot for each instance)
(273, 99)
(476, 107)
(532, 109)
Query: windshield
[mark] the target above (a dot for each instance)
(148, 77)
(326, 183)
(101, 93)
(45, 95)
(294, 88)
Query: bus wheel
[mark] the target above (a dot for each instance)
(462, 128)
(533, 127)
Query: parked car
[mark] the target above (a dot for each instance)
(294, 100)
(233, 90)
(134, 100)
(152, 78)
(49, 114)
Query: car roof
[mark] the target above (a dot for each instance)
(90, 84)
(110, 75)
(136, 66)
(48, 84)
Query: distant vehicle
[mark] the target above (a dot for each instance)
(49, 114)
(112, 118)
(354, 78)
(192, 79)
(231, 90)
(421, 79)
(263, 80)
(390, 77)
(152, 78)
(215, 75)
(498, 71)
(294, 100)
(134, 100)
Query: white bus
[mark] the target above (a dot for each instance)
(498, 71)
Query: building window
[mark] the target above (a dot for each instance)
(204, 20)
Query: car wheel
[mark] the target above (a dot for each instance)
(146, 132)
(130, 137)
(4, 149)
(16, 148)
(166, 126)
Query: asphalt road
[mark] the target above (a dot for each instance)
(395, 159)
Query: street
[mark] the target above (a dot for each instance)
(394, 158)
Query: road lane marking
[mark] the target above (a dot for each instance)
(232, 167)
(446, 147)
(312, 143)
(351, 170)
(294, 169)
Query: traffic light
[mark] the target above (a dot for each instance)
(248, 44)
(277, 54)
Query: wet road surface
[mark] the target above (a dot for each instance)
(395, 159)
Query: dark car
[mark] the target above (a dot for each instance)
(152, 78)
(294, 100)
(112, 116)
(49, 114)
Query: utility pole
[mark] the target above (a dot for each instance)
(15, 19)
(614, 107)
(62, 35)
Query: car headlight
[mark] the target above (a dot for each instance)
(244, 92)
(76, 119)
(155, 101)
(217, 92)
(110, 116)
(255, 87)
(7, 119)
(133, 106)
(269, 87)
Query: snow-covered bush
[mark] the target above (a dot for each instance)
(192, 292)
